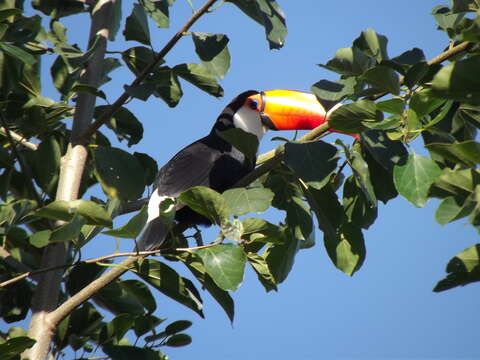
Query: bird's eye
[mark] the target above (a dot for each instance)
(253, 104)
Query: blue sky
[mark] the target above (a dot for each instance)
(387, 310)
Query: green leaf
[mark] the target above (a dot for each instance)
(40, 238)
(280, 258)
(313, 162)
(245, 142)
(178, 340)
(410, 57)
(158, 11)
(260, 266)
(141, 293)
(177, 327)
(69, 231)
(458, 182)
(352, 118)
(206, 202)
(140, 91)
(81, 275)
(6, 13)
(414, 178)
(424, 101)
(348, 61)
(136, 26)
(213, 52)
(269, 14)
(392, 106)
(347, 248)
(12, 348)
(200, 77)
(383, 78)
(138, 58)
(88, 89)
(124, 123)
(455, 80)
(416, 74)
(168, 87)
(166, 280)
(386, 152)
(453, 208)
(150, 167)
(225, 263)
(223, 298)
(330, 93)
(116, 352)
(133, 227)
(93, 213)
(372, 44)
(18, 53)
(327, 209)
(462, 270)
(119, 173)
(358, 209)
(46, 166)
(466, 152)
(242, 201)
(299, 220)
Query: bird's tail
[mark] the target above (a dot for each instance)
(153, 235)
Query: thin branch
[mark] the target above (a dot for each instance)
(23, 165)
(158, 58)
(19, 139)
(12, 262)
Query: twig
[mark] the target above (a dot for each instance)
(19, 139)
(159, 57)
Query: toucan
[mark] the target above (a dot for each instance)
(213, 162)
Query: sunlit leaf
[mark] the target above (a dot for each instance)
(242, 201)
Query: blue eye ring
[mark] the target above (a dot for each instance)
(253, 104)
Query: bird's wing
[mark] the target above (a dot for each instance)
(192, 166)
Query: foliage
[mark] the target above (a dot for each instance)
(335, 187)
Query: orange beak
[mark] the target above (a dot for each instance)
(288, 109)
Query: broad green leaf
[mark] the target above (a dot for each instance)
(207, 202)
(119, 173)
(47, 164)
(116, 352)
(351, 118)
(166, 280)
(41, 238)
(225, 263)
(445, 18)
(414, 178)
(132, 228)
(64, 77)
(260, 266)
(178, 340)
(269, 14)
(109, 65)
(141, 292)
(410, 57)
(458, 182)
(168, 87)
(386, 152)
(462, 270)
(123, 123)
(150, 167)
(200, 77)
(466, 152)
(313, 162)
(93, 213)
(452, 208)
(280, 258)
(88, 89)
(358, 209)
(70, 231)
(424, 101)
(81, 275)
(327, 209)
(416, 74)
(145, 324)
(392, 106)
(213, 52)
(372, 44)
(330, 93)
(383, 78)
(242, 201)
(158, 11)
(244, 141)
(177, 326)
(18, 53)
(136, 26)
(58, 8)
(138, 58)
(299, 220)
(12, 348)
(455, 80)
(348, 61)
(140, 91)
(347, 248)
(195, 265)
(117, 328)
(256, 225)
(6, 13)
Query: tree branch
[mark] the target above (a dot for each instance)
(107, 115)
(45, 298)
(18, 138)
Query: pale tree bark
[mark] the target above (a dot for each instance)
(47, 291)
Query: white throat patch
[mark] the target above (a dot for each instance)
(249, 121)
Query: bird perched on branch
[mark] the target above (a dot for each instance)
(213, 162)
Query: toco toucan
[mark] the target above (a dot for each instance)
(215, 163)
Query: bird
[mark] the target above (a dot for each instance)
(215, 163)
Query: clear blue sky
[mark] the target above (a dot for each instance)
(387, 310)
